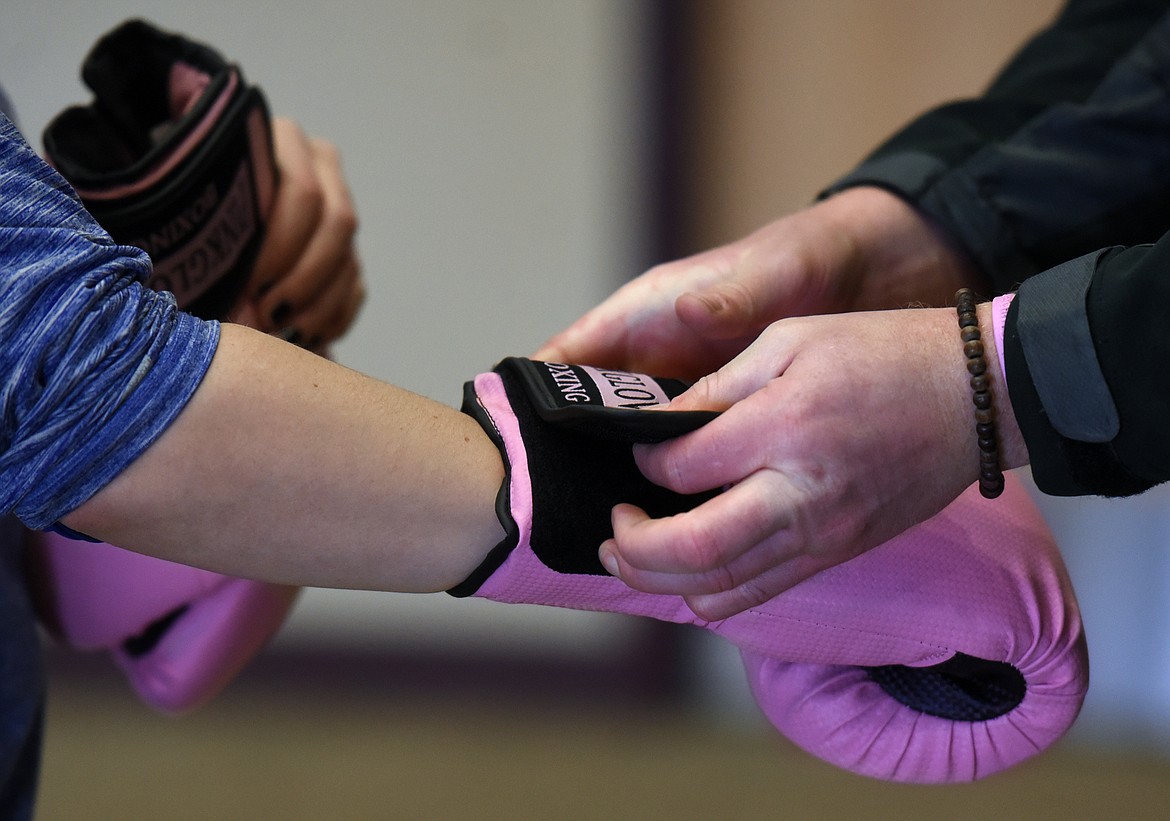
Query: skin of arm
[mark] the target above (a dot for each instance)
(292, 469)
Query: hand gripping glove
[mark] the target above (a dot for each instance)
(947, 654)
(179, 634)
(174, 155)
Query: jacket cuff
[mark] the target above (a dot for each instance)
(907, 174)
(1063, 405)
(951, 199)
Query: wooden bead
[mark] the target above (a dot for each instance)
(991, 481)
(991, 490)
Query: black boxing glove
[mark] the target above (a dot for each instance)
(173, 155)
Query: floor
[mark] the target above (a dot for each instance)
(277, 747)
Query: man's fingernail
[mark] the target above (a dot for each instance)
(610, 563)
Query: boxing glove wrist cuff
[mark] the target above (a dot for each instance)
(565, 433)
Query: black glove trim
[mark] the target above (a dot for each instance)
(499, 553)
(962, 688)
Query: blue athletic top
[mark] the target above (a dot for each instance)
(96, 364)
(95, 367)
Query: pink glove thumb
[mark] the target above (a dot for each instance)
(179, 634)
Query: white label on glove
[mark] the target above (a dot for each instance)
(620, 389)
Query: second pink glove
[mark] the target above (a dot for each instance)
(179, 634)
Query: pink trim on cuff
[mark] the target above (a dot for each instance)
(999, 309)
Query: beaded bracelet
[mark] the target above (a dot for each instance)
(990, 473)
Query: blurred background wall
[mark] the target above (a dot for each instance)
(513, 161)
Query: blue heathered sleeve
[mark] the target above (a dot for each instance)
(95, 365)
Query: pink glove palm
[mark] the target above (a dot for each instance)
(949, 653)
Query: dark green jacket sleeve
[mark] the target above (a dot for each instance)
(1065, 153)
(1057, 182)
(1085, 349)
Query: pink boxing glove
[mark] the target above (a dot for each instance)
(949, 653)
(179, 634)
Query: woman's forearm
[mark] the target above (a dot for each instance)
(289, 468)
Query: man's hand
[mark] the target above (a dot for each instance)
(863, 249)
(837, 434)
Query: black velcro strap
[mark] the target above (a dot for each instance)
(174, 155)
(578, 425)
(603, 402)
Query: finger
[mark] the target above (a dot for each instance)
(664, 582)
(722, 312)
(740, 303)
(602, 336)
(770, 582)
(701, 548)
(724, 451)
(749, 372)
(330, 242)
(327, 255)
(684, 464)
(244, 313)
(333, 310)
(563, 347)
(593, 339)
(295, 211)
(348, 309)
(553, 350)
